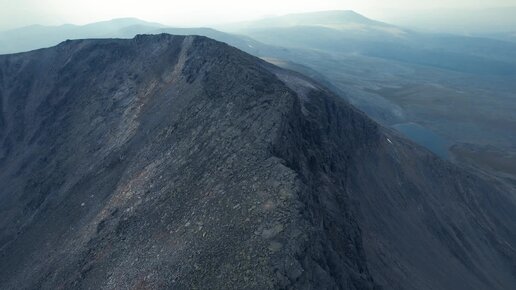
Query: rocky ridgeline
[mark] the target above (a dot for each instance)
(181, 162)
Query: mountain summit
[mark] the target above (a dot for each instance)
(181, 162)
(338, 19)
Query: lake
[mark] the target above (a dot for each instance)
(425, 138)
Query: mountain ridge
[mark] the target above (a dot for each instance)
(178, 161)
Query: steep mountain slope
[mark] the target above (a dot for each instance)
(180, 162)
(397, 77)
(409, 80)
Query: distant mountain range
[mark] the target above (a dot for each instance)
(348, 32)
(38, 36)
(472, 22)
(332, 31)
(345, 20)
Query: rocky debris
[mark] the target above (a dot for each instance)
(180, 162)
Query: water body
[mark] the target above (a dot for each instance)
(425, 138)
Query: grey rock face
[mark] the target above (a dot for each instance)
(180, 162)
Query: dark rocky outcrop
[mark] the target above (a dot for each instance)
(180, 162)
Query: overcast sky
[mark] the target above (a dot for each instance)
(15, 13)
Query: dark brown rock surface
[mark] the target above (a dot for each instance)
(183, 163)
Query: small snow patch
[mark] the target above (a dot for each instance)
(389, 140)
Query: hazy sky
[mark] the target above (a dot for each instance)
(15, 13)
